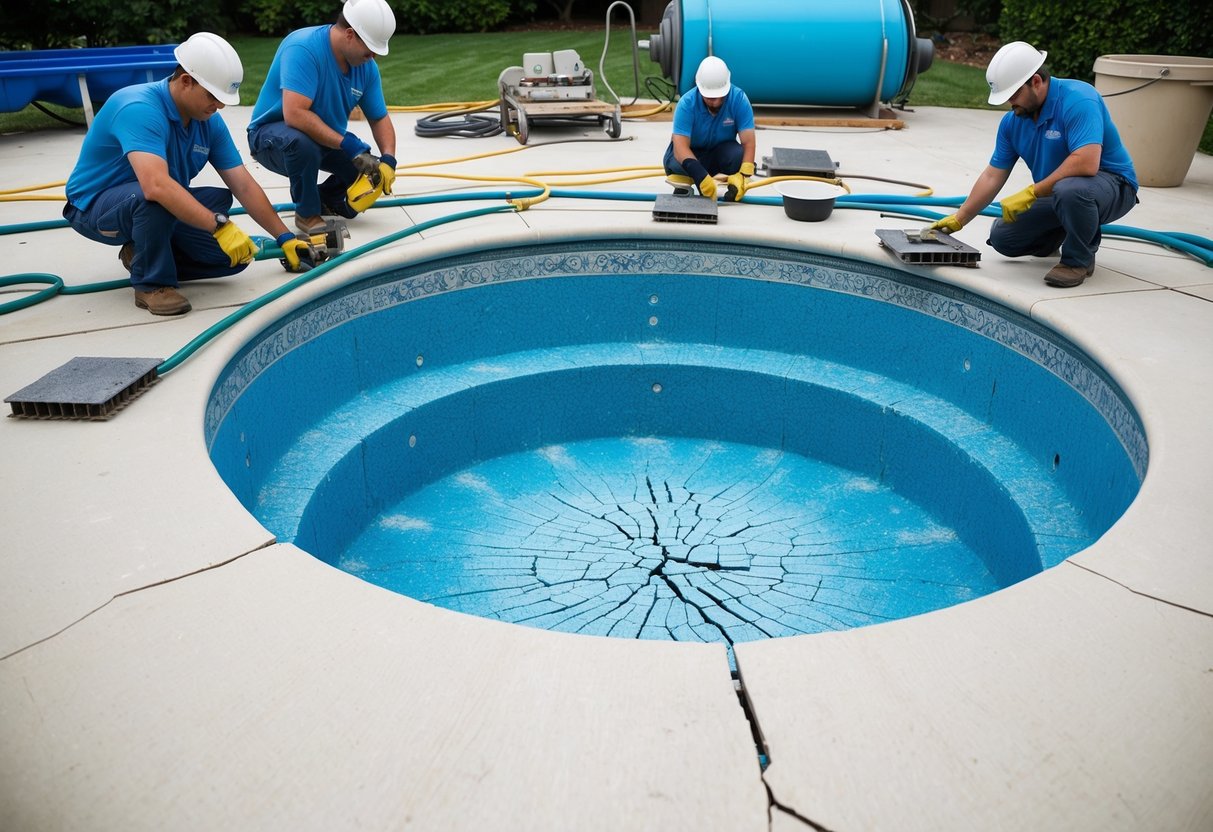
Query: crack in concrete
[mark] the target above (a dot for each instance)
(133, 591)
(1139, 592)
(776, 806)
(764, 760)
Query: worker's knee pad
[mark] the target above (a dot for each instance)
(681, 184)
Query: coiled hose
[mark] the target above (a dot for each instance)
(471, 124)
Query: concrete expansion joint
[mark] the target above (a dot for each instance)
(1134, 290)
(1139, 592)
(133, 591)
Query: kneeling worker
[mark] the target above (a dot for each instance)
(131, 184)
(1082, 176)
(317, 78)
(713, 133)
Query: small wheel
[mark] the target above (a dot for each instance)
(614, 125)
(524, 131)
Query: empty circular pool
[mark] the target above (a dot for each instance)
(660, 440)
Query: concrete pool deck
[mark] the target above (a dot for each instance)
(165, 664)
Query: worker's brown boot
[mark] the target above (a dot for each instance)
(163, 301)
(1067, 277)
(310, 225)
(126, 255)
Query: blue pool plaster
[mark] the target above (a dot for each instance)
(904, 444)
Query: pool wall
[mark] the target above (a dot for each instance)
(298, 394)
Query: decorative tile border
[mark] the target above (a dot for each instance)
(652, 257)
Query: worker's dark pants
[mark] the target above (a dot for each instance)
(722, 158)
(1070, 218)
(166, 249)
(293, 154)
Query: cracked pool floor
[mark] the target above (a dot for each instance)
(667, 538)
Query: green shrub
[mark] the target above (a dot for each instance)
(59, 23)
(278, 17)
(425, 17)
(984, 14)
(943, 17)
(1077, 32)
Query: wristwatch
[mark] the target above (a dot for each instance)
(220, 220)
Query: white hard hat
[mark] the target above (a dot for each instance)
(1010, 68)
(373, 21)
(213, 63)
(712, 78)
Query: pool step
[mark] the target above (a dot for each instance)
(334, 447)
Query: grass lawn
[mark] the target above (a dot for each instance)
(428, 69)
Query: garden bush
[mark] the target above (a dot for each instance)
(277, 17)
(1077, 32)
(61, 23)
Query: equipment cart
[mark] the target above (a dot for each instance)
(553, 88)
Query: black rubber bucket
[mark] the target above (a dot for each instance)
(808, 201)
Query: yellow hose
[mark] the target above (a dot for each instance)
(520, 204)
(654, 169)
(603, 180)
(771, 180)
(646, 113)
(484, 155)
(442, 107)
(29, 188)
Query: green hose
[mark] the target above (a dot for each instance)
(218, 327)
(56, 287)
(1200, 248)
(56, 284)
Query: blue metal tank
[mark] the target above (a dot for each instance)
(812, 52)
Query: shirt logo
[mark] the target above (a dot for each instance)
(730, 121)
(1053, 134)
(202, 149)
(357, 93)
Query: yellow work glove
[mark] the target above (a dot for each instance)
(363, 193)
(1017, 203)
(237, 245)
(737, 182)
(698, 173)
(298, 253)
(387, 172)
(949, 224)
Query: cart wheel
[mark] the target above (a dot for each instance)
(614, 125)
(524, 131)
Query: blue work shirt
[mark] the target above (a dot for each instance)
(1073, 116)
(693, 119)
(305, 64)
(143, 117)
